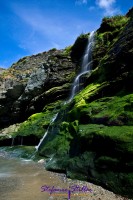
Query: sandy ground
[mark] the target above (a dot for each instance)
(98, 193)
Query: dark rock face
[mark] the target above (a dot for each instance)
(79, 47)
(32, 82)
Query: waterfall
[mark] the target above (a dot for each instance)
(21, 143)
(12, 144)
(17, 141)
(45, 134)
(86, 66)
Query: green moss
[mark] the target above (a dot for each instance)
(107, 110)
(81, 100)
(59, 89)
(120, 183)
(105, 38)
(53, 106)
(38, 123)
(19, 151)
(116, 21)
(105, 161)
(67, 50)
(118, 139)
(60, 142)
(53, 90)
(112, 23)
(35, 125)
(70, 78)
(86, 93)
(59, 145)
(113, 111)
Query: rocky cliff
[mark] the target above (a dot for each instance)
(92, 136)
(33, 82)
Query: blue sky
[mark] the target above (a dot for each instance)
(31, 26)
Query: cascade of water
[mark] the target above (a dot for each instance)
(13, 139)
(45, 134)
(86, 68)
(86, 65)
(21, 141)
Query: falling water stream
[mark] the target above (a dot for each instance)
(85, 69)
(41, 140)
(86, 66)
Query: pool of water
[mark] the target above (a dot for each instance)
(22, 179)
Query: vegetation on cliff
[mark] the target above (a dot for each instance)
(97, 138)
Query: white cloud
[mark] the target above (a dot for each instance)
(38, 21)
(80, 2)
(91, 8)
(40, 30)
(105, 3)
(108, 6)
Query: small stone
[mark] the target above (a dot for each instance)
(41, 161)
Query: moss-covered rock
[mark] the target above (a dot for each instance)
(115, 63)
(94, 140)
(115, 110)
(38, 123)
(113, 23)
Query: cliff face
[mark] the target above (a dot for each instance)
(92, 136)
(33, 82)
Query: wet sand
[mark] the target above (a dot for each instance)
(22, 180)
